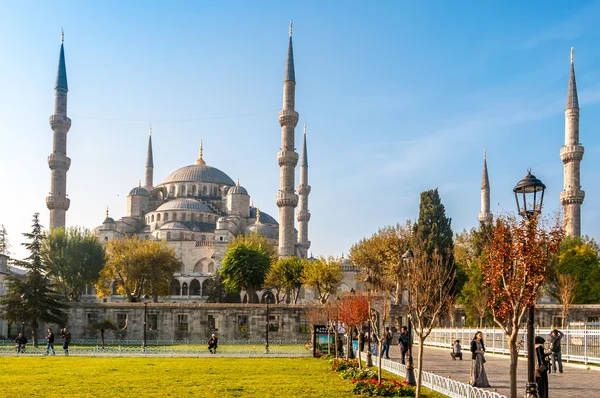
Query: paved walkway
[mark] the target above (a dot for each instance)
(575, 382)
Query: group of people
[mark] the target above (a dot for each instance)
(21, 341)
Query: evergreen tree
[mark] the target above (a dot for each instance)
(245, 267)
(33, 301)
(4, 243)
(433, 229)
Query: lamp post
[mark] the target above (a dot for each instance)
(369, 354)
(144, 298)
(530, 205)
(24, 298)
(407, 257)
(268, 300)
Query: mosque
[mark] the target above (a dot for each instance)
(198, 209)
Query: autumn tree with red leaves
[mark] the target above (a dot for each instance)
(517, 260)
(353, 313)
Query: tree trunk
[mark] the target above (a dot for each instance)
(359, 352)
(328, 341)
(348, 342)
(514, 360)
(335, 344)
(380, 357)
(419, 368)
(34, 327)
(102, 337)
(480, 321)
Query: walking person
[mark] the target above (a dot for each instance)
(20, 343)
(541, 371)
(554, 338)
(387, 341)
(50, 342)
(66, 335)
(213, 342)
(403, 343)
(478, 375)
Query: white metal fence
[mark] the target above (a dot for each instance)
(443, 385)
(578, 345)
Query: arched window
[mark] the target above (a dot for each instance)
(204, 190)
(175, 288)
(181, 235)
(183, 217)
(194, 288)
(158, 217)
(205, 285)
(182, 190)
(193, 217)
(214, 191)
(193, 190)
(172, 191)
(184, 289)
(174, 216)
(152, 218)
(203, 237)
(166, 216)
(168, 235)
(202, 217)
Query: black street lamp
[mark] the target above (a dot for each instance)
(24, 298)
(144, 299)
(268, 300)
(369, 353)
(407, 257)
(531, 191)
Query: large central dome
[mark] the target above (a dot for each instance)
(198, 173)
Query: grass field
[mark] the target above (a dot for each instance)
(169, 377)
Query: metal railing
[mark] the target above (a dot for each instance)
(443, 385)
(577, 345)
(155, 343)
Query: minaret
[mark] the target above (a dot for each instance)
(287, 200)
(303, 215)
(571, 154)
(149, 180)
(485, 216)
(57, 202)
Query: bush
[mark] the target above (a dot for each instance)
(339, 365)
(387, 388)
(328, 357)
(354, 373)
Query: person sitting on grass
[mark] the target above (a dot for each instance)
(20, 343)
(212, 344)
(456, 350)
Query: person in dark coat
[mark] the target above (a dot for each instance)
(554, 338)
(478, 375)
(66, 335)
(213, 342)
(20, 343)
(403, 343)
(50, 342)
(541, 373)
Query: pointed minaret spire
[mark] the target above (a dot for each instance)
(149, 178)
(571, 154)
(200, 161)
(57, 202)
(289, 65)
(485, 216)
(286, 199)
(303, 215)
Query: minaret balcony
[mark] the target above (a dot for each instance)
(286, 199)
(303, 189)
(303, 215)
(58, 122)
(287, 158)
(58, 161)
(54, 202)
(572, 196)
(288, 118)
(571, 153)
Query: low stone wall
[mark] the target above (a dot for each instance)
(174, 321)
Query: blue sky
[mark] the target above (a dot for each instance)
(398, 96)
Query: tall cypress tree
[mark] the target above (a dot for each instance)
(433, 230)
(33, 301)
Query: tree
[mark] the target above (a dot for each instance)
(33, 301)
(516, 265)
(286, 275)
(379, 312)
(323, 274)
(137, 267)
(4, 243)
(102, 326)
(433, 230)
(258, 242)
(74, 258)
(580, 259)
(245, 267)
(353, 313)
(276, 279)
(429, 284)
(215, 291)
(475, 296)
(566, 286)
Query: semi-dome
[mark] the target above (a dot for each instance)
(185, 204)
(237, 189)
(199, 173)
(264, 217)
(141, 191)
(175, 225)
(263, 230)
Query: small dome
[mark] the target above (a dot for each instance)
(263, 230)
(264, 217)
(185, 204)
(175, 225)
(139, 191)
(237, 189)
(108, 220)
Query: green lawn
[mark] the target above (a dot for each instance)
(165, 377)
